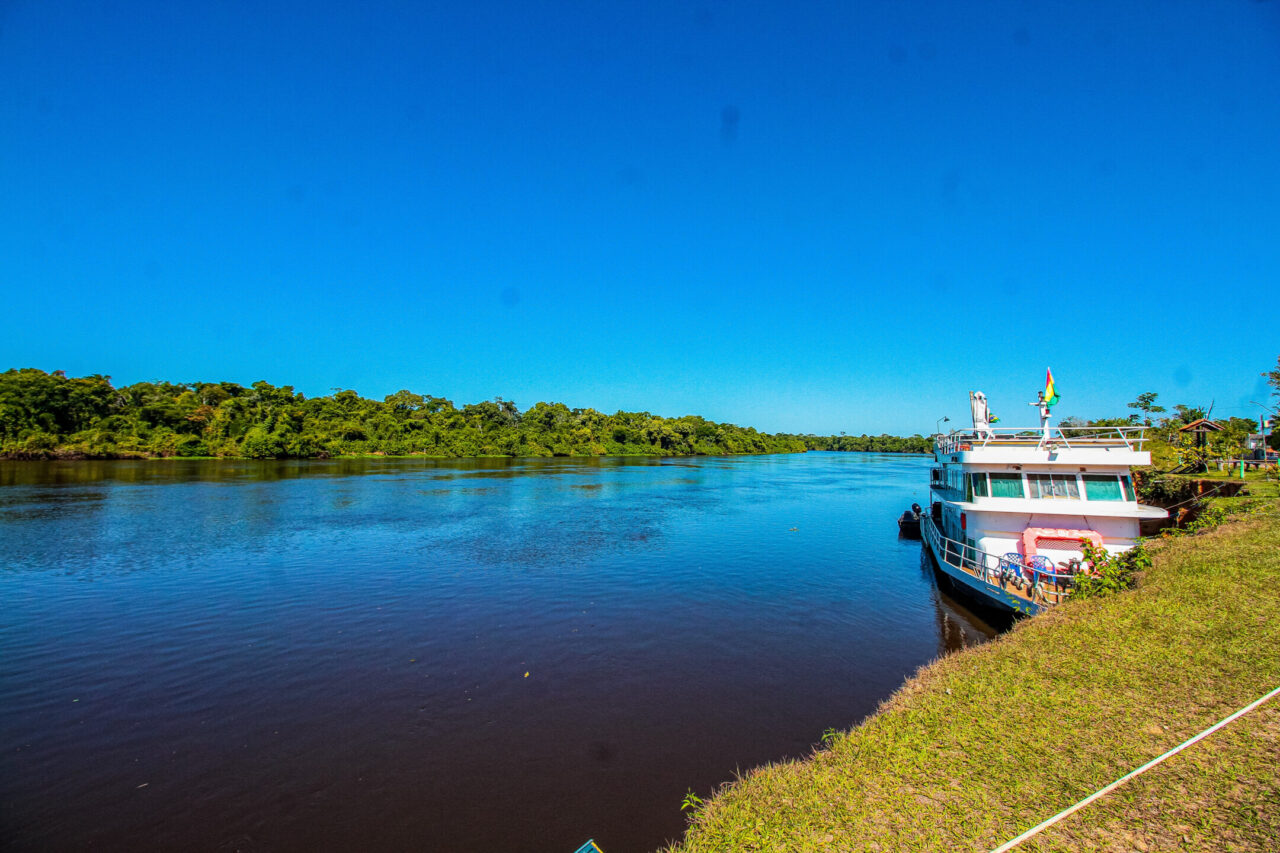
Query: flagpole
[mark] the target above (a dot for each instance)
(1045, 396)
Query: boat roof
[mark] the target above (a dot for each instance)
(1055, 446)
(1060, 506)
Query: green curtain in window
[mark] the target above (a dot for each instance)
(1006, 485)
(979, 485)
(1102, 487)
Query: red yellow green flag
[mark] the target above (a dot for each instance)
(1050, 393)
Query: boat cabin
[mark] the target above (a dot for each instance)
(1010, 499)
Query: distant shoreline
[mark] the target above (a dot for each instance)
(73, 457)
(54, 416)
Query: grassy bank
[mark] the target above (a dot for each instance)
(984, 744)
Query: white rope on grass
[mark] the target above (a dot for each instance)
(1009, 845)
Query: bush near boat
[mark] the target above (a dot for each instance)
(984, 744)
(1109, 573)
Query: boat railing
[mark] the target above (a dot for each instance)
(1131, 437)
(997, 570)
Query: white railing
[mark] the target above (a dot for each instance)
(1069, 437)
(994, 569)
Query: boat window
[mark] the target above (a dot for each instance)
(979, 485)
(1053, 486)
(1006, 485)
(1102, 487)
(1128, 488)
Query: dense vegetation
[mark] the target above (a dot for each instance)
(869, 443)
(1171, 448)
(51, 415)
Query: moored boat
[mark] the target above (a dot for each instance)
(1010, 507)
(909, 522)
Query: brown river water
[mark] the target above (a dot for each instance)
(474, 655)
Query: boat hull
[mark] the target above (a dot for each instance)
(984, 592)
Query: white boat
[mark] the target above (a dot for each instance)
(1010, 507)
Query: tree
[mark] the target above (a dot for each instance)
(404, 403)
(258, 444)
(1187, 414)
(1273, 378)
(1146, 403)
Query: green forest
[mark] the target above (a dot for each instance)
(53, 416)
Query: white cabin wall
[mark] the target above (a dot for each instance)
(1001, 533)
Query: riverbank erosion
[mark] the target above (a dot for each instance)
(984, 744)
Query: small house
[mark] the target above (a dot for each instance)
(1198, 431)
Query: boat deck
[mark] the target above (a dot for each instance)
(967, 565)
(1071, 438)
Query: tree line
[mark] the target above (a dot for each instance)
(869, 443)
(1171, 447)
(50, 415)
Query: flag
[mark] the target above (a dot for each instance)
(1050, 393)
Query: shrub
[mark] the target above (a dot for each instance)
(39, 442)
(191, 445)
(1166, 490)
(259, 444)
(1111, 573)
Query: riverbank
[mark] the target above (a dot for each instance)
(650, 453)
(125, 456)
(982, 745)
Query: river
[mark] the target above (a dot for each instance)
(457, 655)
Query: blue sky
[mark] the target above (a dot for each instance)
(800, 217)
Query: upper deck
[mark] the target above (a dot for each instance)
(1054, 446)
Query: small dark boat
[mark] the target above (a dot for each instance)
(909, 522)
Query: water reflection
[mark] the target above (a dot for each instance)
(154, 471)
(333, 655)
(959, 626)
(962, 621)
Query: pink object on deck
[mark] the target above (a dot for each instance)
(1032, 535)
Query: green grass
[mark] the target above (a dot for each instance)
(986, 743)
